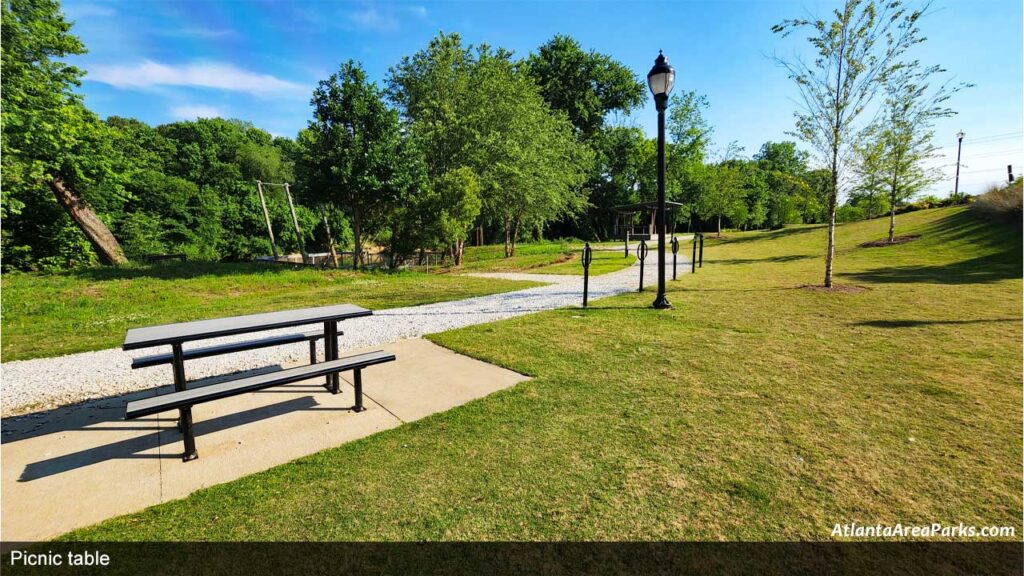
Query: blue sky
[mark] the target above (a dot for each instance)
(259, 61)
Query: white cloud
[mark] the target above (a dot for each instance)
(216, 75)
(190, 112)
(371, 18)
(85, 10)
(384, 18)
(197, 32)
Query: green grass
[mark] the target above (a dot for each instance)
(753, 410)
(53, 314)
(543, 258)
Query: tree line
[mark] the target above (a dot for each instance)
(456, 137)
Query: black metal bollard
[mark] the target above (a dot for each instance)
(588, 255)
(625, 250)
(693, 256)
(675, 250)
(641, 254)
(701, 259)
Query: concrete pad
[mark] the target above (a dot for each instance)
(432, 379)
(75, 466)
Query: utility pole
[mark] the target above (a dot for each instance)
(1009, 173)
(956, 183)
(266, 214)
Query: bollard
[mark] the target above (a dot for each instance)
(675, 249)
(641, 254)
(588, 255)
(693, 256)
(701, 259)
(625, 249)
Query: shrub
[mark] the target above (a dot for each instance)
(1000, 202)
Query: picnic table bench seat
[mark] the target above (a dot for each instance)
(158, 359)
(193, 396)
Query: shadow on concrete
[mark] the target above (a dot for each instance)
(132, 448)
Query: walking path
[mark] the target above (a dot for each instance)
(41, 383)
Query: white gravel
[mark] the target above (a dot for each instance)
(47, 382)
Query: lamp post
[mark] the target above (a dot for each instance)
(660, 79)
(956, 183)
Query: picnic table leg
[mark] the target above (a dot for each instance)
(184, 414)
(358, 377)
(312, 351)
(331, 353)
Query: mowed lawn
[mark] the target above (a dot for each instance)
(755, 409)
(54, 314)
(543, 258)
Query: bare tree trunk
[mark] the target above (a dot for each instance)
(508, 245)
(357, 231)
(106, 246)
(459, 246)
(719, 225)
(832, 197)
(892, 208)
(515, 234)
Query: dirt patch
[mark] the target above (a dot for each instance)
(895, 240)
(840, 288)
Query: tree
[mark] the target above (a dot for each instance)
(858, 47)
(351, 147)
(457, 205)
(723, 192)
(868, 168)
(530, 165)
(784, 168)
(585, 85)
(910, 110)
(50, 139)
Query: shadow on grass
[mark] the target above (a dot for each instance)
(772, 234)
(174, 270)
(773, 259)
(980, 270)
(959, 228)
(915, 323)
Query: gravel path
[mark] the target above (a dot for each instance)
(47, 382)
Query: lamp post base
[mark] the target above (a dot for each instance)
(661, 302)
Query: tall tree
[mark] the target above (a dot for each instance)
(351, 147)
(869, 173)
(854, 49)
(910, 110)
(587, 86)
(50, 139)
(530, 164)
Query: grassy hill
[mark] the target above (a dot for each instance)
(756, 409)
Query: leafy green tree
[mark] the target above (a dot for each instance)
(50, 139)
(530, 165)
(457, 206)
(587, 86)
(784, 168)
(911, 107)
(869, 172)
(854, 49)
(350, 150)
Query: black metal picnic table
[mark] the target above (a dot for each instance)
(178, 334)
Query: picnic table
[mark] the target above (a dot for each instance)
(184, 397)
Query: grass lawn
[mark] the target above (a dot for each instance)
(54, 314)
(542, 258)
(753, 410)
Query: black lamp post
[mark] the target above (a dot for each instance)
(661, 78)
(956, 183)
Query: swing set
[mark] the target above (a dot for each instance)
(307, 258)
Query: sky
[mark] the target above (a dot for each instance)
(162, 61)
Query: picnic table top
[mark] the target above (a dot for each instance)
(201, 329)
